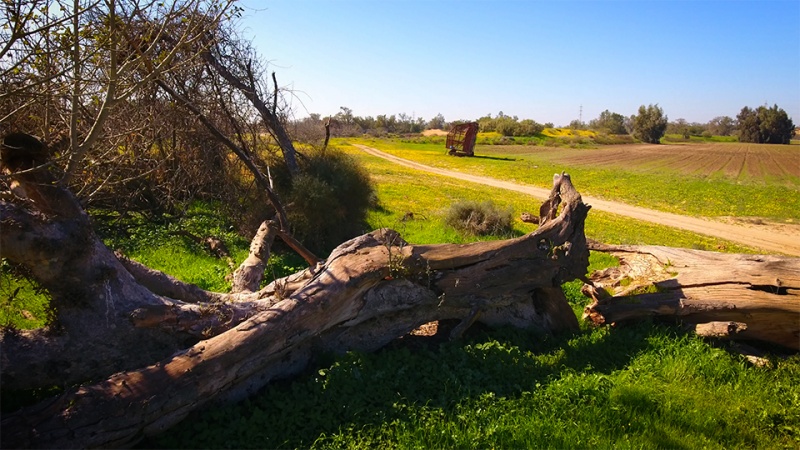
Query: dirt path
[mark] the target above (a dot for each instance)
(773, 239)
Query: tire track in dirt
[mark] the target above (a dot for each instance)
(763, 239)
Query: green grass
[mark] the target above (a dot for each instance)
(159, 246)
(645, 386)
(667, 191)
(23, 305)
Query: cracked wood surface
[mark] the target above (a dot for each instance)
(698, 287)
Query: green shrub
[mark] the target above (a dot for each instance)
(328, 201)
(479, 218)
(613, 139)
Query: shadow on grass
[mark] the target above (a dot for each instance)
(496, 158)
(358, 391)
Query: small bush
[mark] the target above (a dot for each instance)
(479, 218)
(329, 201)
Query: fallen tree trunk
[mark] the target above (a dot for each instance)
(731, 296)
(369, 291)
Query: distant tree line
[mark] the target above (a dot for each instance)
(761, 125)
(509, 125)
(650, 124)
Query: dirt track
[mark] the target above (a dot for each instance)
(764, 237)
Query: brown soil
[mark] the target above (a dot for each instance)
(771, 237)
(734, 160)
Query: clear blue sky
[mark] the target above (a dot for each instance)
(540, 60)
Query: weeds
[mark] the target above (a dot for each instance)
(479, 218)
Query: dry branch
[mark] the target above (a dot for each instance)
(248, 276)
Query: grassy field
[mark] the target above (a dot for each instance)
(696, 179)
(644, 386)
(402, 191)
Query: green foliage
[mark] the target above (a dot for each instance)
(765, 125)
(650, 124)
(577, 125)
(160, 244)
(329, 200)
(687, 129)
(749, 127)
(437, 123)
(721, 126)
(528, 127)
(479, 218)
(509, 125)
(609, 122)
(702, 138)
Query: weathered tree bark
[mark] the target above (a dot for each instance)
(528, 218)
(370, 291)
(47, 232)
(247, 277)
(731, 296)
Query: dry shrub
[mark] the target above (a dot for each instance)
(479, 218)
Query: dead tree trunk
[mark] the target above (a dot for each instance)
(742, 297)
(247, 277)
(370, 291)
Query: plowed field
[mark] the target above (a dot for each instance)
(741, 162)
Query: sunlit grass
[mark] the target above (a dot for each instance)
(645, 386)
(402, 191)
(667, 191)
(564, 132)
(22, 304)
